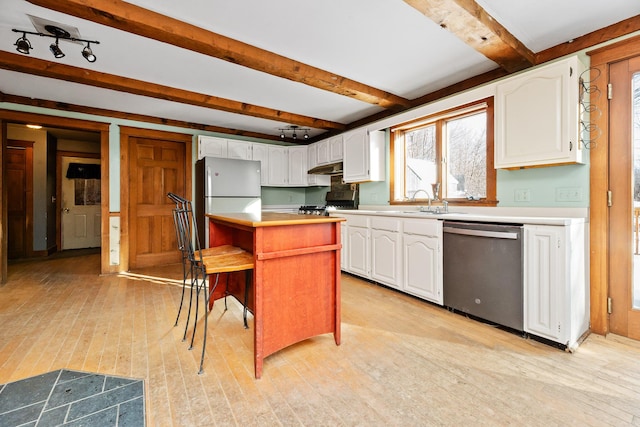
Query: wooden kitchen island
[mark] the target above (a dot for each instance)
(296, 279)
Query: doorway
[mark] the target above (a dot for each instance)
(80, 195)
(613, 197)
(624, 179)
(19, 166)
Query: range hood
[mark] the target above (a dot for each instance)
(329, 169)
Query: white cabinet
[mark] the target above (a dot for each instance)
(556, 286)
(297, 160)
(336, 144)
(322, 152)
(345, 245)
(386, 251)
(211, 146)
(278, 172)
(239, 150)
(364, 156)
(537, 117)
(422, 259)
(260, 152)
(358, 243)
(312, 161)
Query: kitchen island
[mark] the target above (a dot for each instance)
(296, 279)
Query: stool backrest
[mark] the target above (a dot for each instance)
(186, 228)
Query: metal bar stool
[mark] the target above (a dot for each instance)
(205, 262)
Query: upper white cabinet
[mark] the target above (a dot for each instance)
(556, 285)
(336, 145)
(364, 156)
(278, 172)
(322, 152)
(261, 153)
(298, 168)
(537, 117)
(312, 161)
(211, 146)
(239, 150)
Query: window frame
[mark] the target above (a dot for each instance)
(440, 118)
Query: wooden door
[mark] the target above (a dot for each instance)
(156, 167)
(19, 168)
(624, 182)
(81, 209)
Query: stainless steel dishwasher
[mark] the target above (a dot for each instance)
(483, 273)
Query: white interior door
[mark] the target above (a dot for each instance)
(80, 225)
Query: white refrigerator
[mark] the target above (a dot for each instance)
(225, 186)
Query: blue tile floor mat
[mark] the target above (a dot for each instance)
(72, 398)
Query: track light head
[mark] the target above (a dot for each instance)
(55, 49)
(23, 45)
(88, 53)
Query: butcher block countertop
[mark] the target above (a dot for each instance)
(271, 219)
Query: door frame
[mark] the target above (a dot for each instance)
(599, 178)
(18, 117)
(126, 134)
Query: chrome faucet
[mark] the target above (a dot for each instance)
(413, 199)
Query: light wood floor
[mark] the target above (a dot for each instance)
(402, 362)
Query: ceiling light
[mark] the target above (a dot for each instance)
(88, 53)
(55, 49)
(34, 126)
(23, 45)
(294, 135)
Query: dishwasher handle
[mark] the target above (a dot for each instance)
(481, 233)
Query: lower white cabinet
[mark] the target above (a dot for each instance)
(345, 245)
(358, 243)
(386, 251)
(422, 259)
(556, 285)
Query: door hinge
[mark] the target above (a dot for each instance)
(609, 198)
(609, 305)
(610, 91)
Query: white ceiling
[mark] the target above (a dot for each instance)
(385, 44)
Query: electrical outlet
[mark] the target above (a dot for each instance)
(568, 194)
(523, 195)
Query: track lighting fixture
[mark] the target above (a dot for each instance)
(55, 49)
(24, 46)
(88, 53)
(293, 130)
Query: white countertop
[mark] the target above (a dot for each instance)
(460, 215)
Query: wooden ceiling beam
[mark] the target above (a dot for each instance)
(474, 26)
(43, 68)
(134, 19)
(64, 106)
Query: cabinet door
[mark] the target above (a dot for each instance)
(297, 166)
(358, 257)
(364, 156)
(211, 146)
(278, 166)
(422, 262)
(537, 117)
(335, 148)
(239, 150)
(544, 282)
(323, 152)
(385, 257)
(261, 153)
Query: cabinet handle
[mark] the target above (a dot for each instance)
(570, 145)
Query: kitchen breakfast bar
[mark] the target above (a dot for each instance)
(295, 293)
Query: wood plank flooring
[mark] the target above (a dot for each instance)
(402, 362)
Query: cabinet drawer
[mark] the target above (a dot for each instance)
(426, 227)
(388, 224)
(357, 221)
